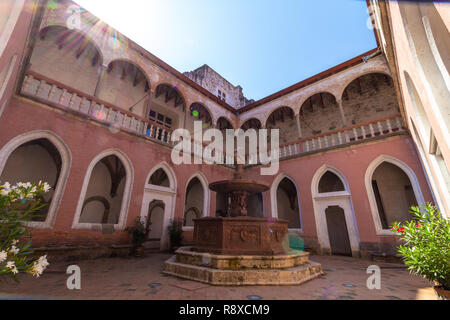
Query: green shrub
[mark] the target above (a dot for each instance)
(140, 231)
(176, 233)
(18, 204)
(426, 244)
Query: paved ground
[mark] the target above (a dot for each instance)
(132, 278)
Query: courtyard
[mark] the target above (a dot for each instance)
(141, 279)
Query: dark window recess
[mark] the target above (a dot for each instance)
(380, 206)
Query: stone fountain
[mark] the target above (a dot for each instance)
(241, 250)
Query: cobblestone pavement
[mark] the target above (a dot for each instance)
(134, 278)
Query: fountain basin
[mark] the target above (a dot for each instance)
(241, 185)
(241, 236)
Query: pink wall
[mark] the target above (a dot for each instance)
(85, 142)
(352, 163)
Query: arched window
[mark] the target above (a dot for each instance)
(160, 178)
(34, 161)
(330, 182)
(194, 202)
(107, 182)
(393, 193)
(288, 204)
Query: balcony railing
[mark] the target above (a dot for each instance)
(54, 93)
(59, 95)
(348, 135)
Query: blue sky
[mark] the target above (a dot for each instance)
(262, 45)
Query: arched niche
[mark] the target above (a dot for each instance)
(67, 56)
(392, 187)
(38, 156)
(124, 84)
(109, 176)
(369, 97)
(319, 114)
(284, 119)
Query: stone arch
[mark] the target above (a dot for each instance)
(321, 172)
(126, 85)
(371, 192)
(283, 118)
(163, 85)
(317, 107)
(366, 72)
(322, 202)
(252, 123)
(315, 92)
(168, 107)
(80, 60)
(200, 111)
(224, 124)
(168, 171)
(274, 199)
(126, 195)
(361, 98)
(66, 163)
(162, 195)
(205, 208)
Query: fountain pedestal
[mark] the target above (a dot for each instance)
(239, 250)
(241, 236)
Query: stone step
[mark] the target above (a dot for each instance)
(275, 277)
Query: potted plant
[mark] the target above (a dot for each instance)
(426, 247)
(139, 232)
(175, 233)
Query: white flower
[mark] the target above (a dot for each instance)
(15, 242)
(46, 187)
(14, 270)
(3, 256)
(39, 266)
(10, 264)
(6, 189)
(14, 250)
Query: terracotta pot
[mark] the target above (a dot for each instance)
(139, 251)
(443, 293)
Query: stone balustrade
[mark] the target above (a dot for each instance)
(54, 93)
(59, 95)
(348, 135)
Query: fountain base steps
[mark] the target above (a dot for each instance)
(293, 268)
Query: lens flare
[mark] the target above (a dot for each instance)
(100, 115)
